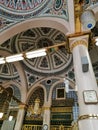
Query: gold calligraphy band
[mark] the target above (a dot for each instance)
(82, 117)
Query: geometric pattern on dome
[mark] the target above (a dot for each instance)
(8, 71)
(21, 5)
(14, 11)
(4, 22)
(33, 39)
(24, 9)
(31, 79)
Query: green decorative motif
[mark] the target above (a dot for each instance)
(71, 75)
(31, 79)
(58, 4)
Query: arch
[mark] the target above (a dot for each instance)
(60, 80)
(7, 85)
(57, 23)
(37, 85)
(23, 86)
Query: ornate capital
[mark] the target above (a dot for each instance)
(22, 106)
(76, 43)
(78, 39)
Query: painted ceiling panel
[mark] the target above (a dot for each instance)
(15, 11)
(24, 9)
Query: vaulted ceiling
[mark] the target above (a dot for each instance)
(20, 33)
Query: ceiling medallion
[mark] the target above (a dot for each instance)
(21, 4)
(22, 9)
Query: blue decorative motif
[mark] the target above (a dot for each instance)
(58, 8)
(21, 4)
(22, 13)
(58, 4)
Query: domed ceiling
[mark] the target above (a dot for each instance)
(56, 62)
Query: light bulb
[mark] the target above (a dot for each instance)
(1, 114)
(10, 118)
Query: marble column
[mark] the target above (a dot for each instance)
(88, 113)
(46, 117)
(20, 117)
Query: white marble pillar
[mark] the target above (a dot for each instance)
(88, 113)
(46, 117)
(20, 117)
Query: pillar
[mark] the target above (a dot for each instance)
(20, 117)
(46, 117)
(88, 112)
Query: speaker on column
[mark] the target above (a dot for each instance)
(85, 64)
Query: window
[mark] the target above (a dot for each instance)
(60, 93)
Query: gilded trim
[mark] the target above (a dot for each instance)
(46, 108)
(88, 116)
(61, 109)
(73, 35)
(22, 106)
(80, 42)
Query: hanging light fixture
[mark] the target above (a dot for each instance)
(36, 53)
(2, 60)
(31, 54)
(87, 19)
(10, 118)
(13, 58)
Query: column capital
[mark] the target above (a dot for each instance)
(76, 43)
(22, 106)
(78, 40)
